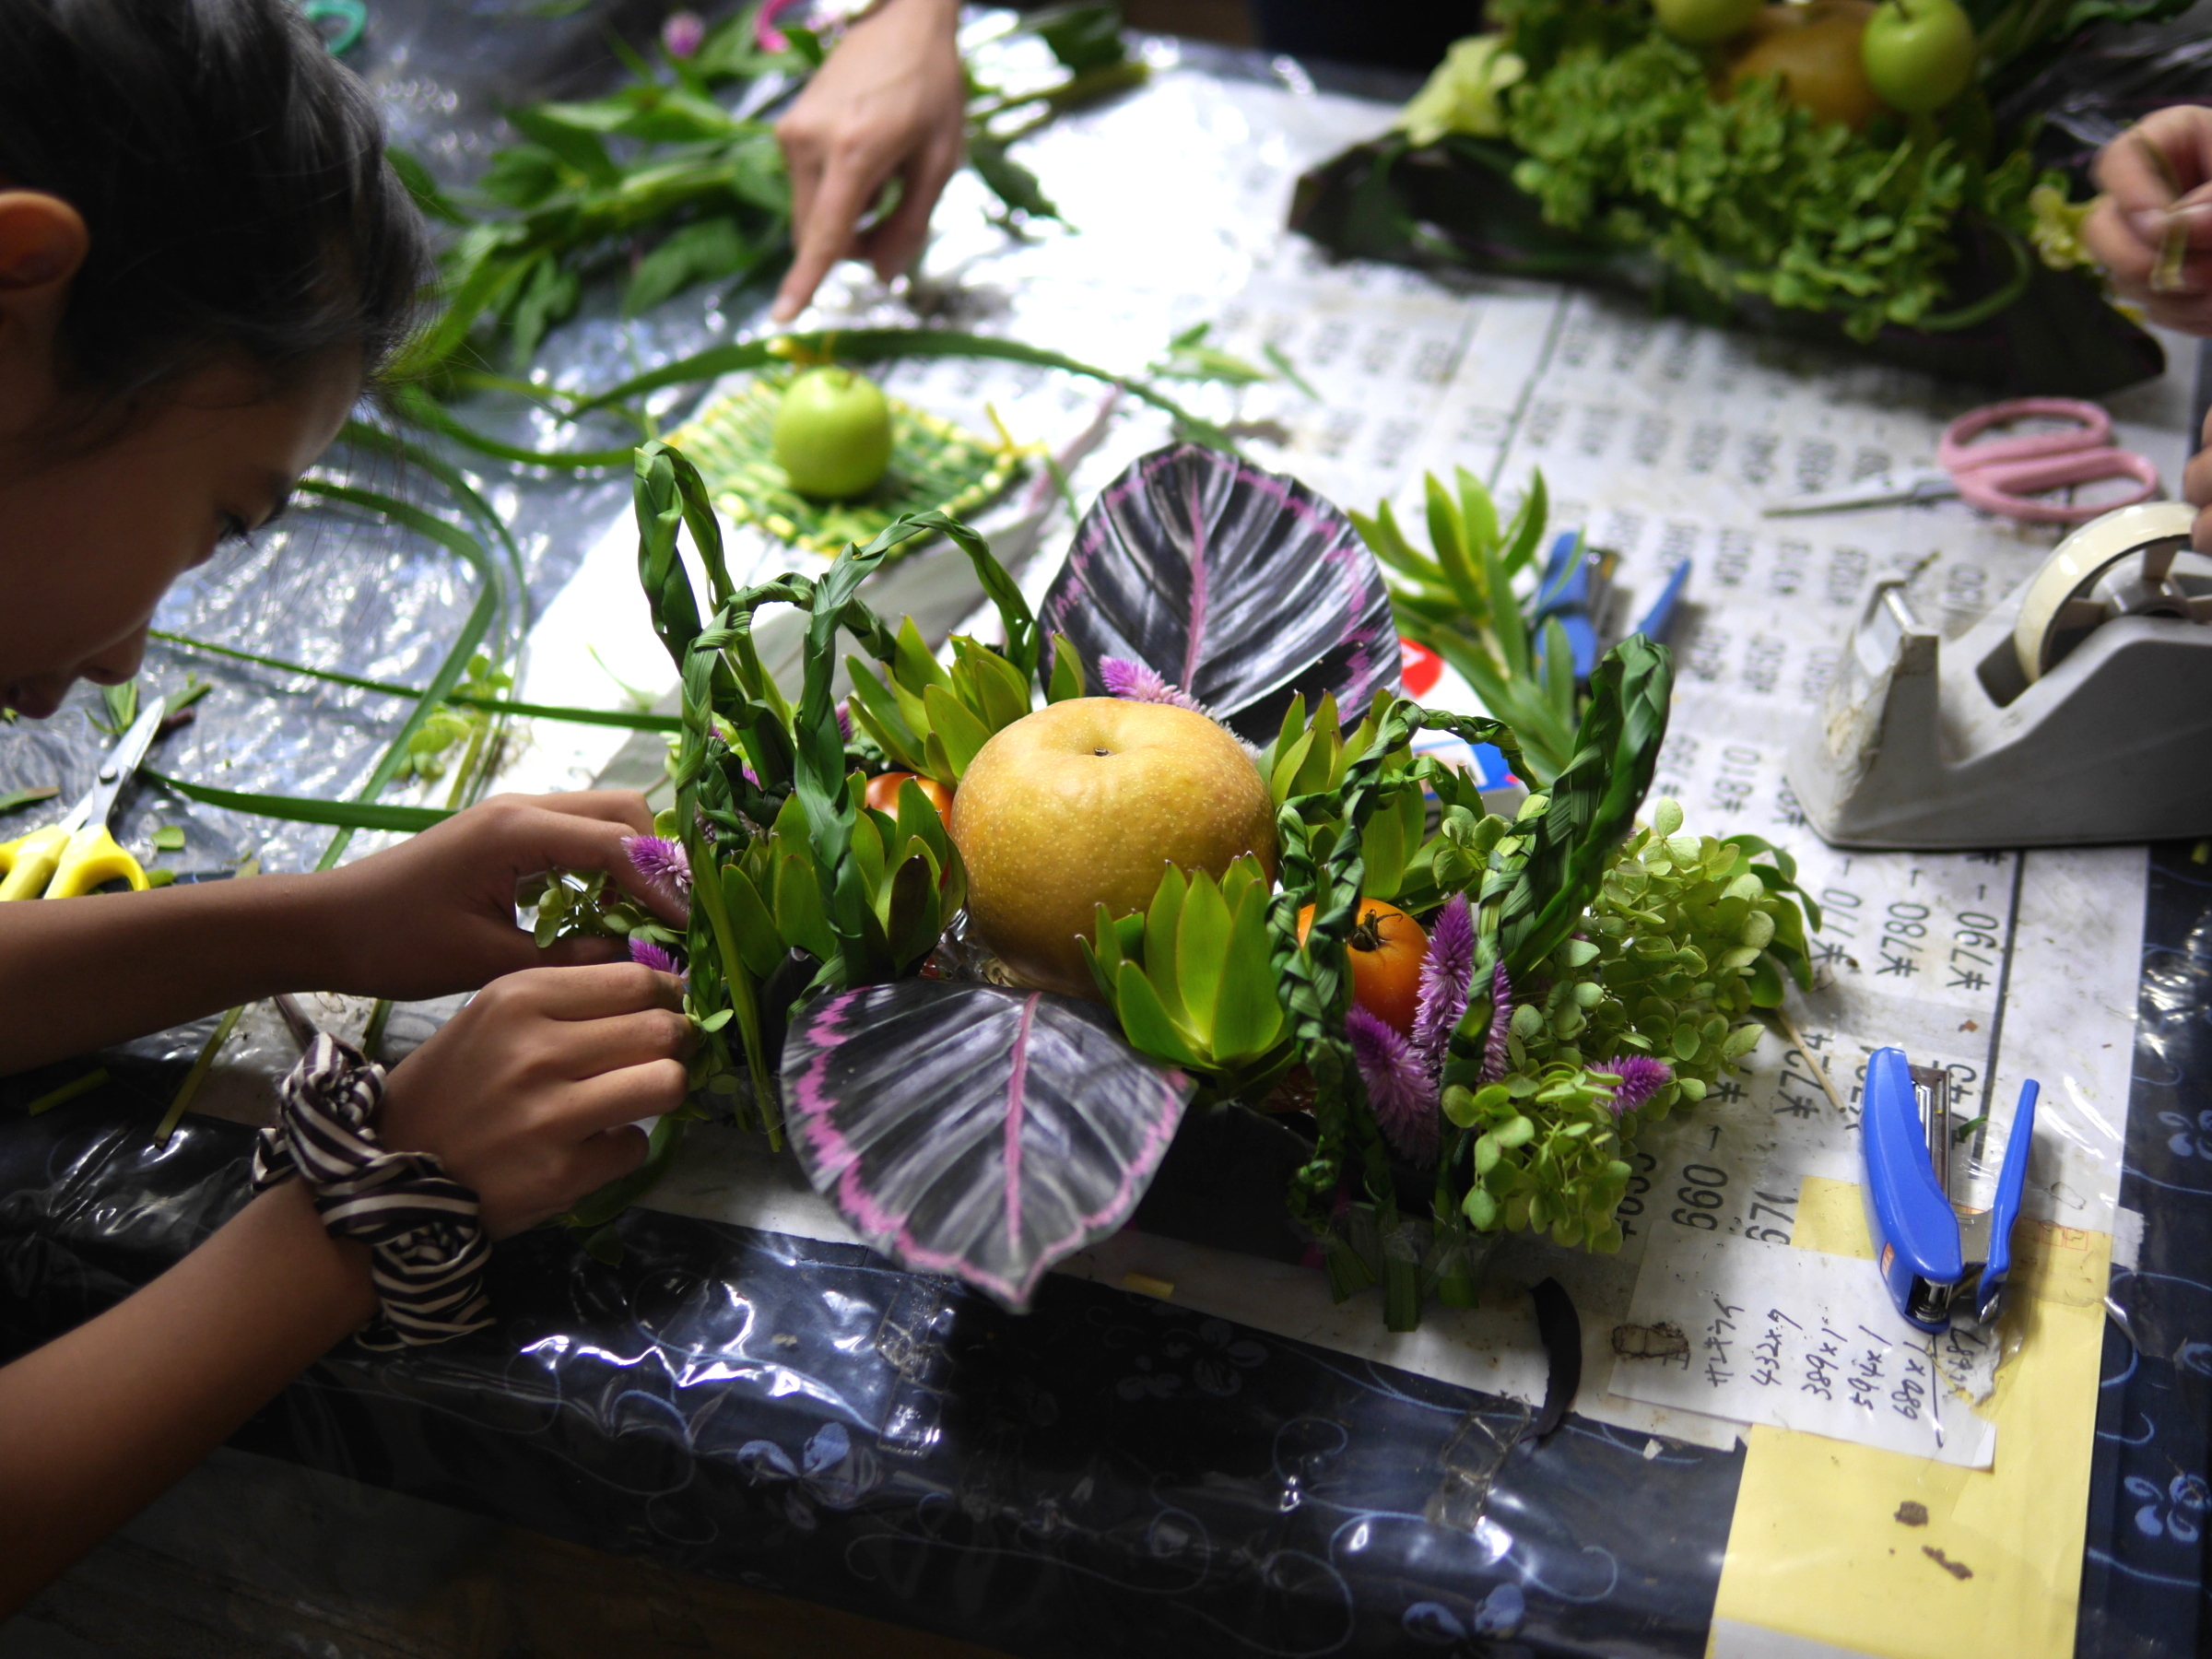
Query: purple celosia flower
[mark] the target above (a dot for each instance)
(1641, 1078)
(682, 33)
(1398, 1086)
(1502, 1024)
(658, 958)
(1446, 976)
(844, 725)
(1138, 682)
(658, 859)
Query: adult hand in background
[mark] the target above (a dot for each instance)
(436, 914)
(2156, 178)
(531, 1094)
(889, 103)
(2196, 490)
(2157, 184)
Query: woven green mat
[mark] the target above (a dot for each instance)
(933, 464)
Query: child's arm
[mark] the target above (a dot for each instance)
(529, 1097)
(432, 915)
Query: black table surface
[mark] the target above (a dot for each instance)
(804, 1418)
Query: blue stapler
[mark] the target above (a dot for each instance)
(1943, 1261)
(1577, 591)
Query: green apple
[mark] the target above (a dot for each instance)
(1701, 22)
(1085, 803)
(1919, 53)
(833, 433)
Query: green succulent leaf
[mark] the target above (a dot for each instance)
(1202, 939)
(1163, 921)
(1145, 1022)
(953, 731)
(1248, 1015)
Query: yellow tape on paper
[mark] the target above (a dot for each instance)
(1846, 1548)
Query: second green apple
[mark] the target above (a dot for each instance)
(1919, 53)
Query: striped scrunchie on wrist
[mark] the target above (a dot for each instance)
(427, 1248)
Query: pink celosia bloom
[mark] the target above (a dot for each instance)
(1398, 1086)
(1138, 682)
(657, 957)
(658, 859)
(1641, 1078)
(844, 725)
(766, 35)
(681, 34)
(1445, 980)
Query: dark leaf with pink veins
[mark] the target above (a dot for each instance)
(1234, 585)
(966, 1129)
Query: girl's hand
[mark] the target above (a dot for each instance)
(436, 915)
(531, 1094)
(2156, 177)
(891, 103)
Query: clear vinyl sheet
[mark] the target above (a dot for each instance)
(800, 1417)
(2151, 1501)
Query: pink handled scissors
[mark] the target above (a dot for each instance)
(2004, 474)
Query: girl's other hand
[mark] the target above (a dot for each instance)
(436, 915)
(531, 1094)
(2157, 180)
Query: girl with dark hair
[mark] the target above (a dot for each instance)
(204, 261)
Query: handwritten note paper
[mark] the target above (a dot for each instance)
(1766, 1332)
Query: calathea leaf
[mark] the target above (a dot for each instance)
(966, 1129)
(1241, 586)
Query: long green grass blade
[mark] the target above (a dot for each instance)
(873, 345)
(67, 1091)
(627, 720)
(205, 1062)
(473, 629)
(423, 409)
(305, 810)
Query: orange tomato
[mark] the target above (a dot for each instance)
(883, 792)
(1385, 947)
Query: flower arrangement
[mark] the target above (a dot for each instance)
(1581, 975)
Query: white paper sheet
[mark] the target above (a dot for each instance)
(1801, 1339)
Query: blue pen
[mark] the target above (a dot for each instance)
(1942, 1260)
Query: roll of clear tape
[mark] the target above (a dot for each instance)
(2060, 606)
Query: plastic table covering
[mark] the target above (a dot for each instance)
(802, 1417)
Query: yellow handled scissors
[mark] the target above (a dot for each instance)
(72, 857)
